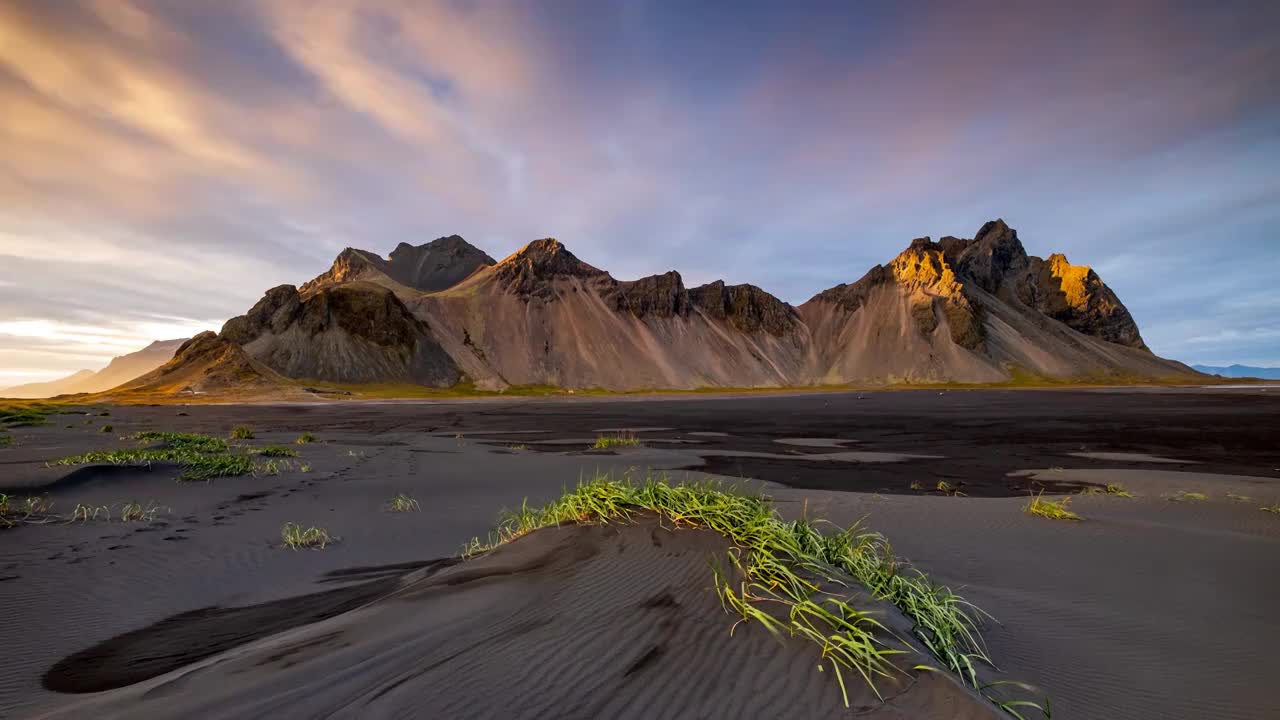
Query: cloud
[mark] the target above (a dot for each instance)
(176, 159)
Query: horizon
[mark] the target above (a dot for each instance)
(170, 163)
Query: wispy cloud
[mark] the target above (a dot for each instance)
(176, 159)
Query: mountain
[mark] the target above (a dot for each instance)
(207, 363)
(964, 310)
(120, 370)
(355, 332)
(431, 267)
(976, 310)
(1240, 371)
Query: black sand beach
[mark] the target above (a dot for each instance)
(1148, 608)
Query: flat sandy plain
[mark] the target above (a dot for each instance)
(1148, 608)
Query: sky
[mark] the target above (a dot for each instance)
(162, 163)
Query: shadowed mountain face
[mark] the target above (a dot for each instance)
(966, 310)
(437, 265)
(120, 370)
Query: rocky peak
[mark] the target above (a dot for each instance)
(659, 295)
(746, 307)
(437, 265)
(1076, 296)
(993, 255)
(529, 271)
(351, 264)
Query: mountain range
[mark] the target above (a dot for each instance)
(1240, 371)
(978, 310)
(120, 370)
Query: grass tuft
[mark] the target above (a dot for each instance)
(1239, 498)
(24, 510)
(202, 458)
(947, 488)
(518, 447)
(1186, 496)
(276, 451)
(1051, 509)
(403, 503)
(137, 512)
(782, 565)
(1112, 489)
(295, 536)
(305, 438)
(242, 432)
(605, 442)
(1271, 508)
(105, 429)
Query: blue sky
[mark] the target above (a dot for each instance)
(166, 162)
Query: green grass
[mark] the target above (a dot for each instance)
(16, 510)
(105, 429)
(297, 537)
(276, 451)
(202, 458)
(183, 441)
(1051, 509)
(137, 512)
(1239, 498)
(947, 488)
(272, 467)
(242, 432)
(1271, 508)
(1187, 496)
(403, 503)
(5, 439)
(1113, 489)
(605, 442)
(85, 513)
(305, 438)
(25, 414)
(784, 566)
(518, 447)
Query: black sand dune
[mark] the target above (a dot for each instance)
(1147, 609)
(617, 620)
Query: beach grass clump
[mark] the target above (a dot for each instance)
(297, 537)
(305, 438)
(947, 488)
(15, 510)
(1112, 489)
(271, 467)
(135, 511)
(1188, 496)
(784, 569)
(276, 451)
(518, 447)
(606, 442)
(85, 513)
(1051, 509)
(25, 414)
(194, 442)
(1271, 508)
(1239, 498)
(242, 432)
(200, 457)
(105, 429)
(403, 503)
(5, 439)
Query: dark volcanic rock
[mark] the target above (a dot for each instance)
(437, 265)
(529, 273)
(352, 332)
(430, 267)
(746, 307)
(659, 295)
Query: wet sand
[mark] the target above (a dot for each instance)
(1149, 608)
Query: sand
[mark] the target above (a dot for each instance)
(589, 621)
(1146, 609)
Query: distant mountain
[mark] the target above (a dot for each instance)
(1240, 371)
(963, 310)
(120, 370)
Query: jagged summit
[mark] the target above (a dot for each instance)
(430, 267)
(529, 271)
(746, 307)
(974, 309)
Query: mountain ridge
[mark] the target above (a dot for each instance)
(976, 310)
